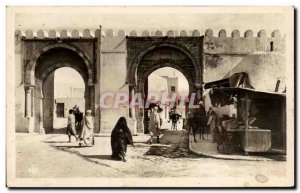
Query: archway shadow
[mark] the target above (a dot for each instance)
(62, 130)
(56, 141)
(102, 157)
(70, 146)
(173, 144)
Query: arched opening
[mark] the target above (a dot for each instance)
(68, 92)
(170, 82)
(64, 70)
(154, 59)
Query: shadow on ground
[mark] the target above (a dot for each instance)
(102, 157)
(56, 141)
(62, 130)
(70, 146)
(174, 144)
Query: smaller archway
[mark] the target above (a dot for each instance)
(68, 92)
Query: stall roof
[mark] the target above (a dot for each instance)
(240, 80)
(235, 90)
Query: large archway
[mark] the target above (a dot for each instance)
(153, 53)
(39, 78)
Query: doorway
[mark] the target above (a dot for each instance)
(60, 110)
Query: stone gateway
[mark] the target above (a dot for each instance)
(116, 61)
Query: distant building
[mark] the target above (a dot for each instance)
(63, 105)
(172, 84)
(157, 84)
(66, 99)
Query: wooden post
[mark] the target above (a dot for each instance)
(283, 123)
(246, 121)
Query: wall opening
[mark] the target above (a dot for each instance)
(69, 91)
(61, 78)
(271, 46)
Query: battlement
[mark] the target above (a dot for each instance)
(53, 34)
(222, 44)
(87, 33)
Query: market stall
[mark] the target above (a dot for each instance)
(259, 124)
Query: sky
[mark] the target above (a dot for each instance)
(75, 80)
(152, 19)
(62, 84)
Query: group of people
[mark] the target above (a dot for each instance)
(121, 135)
(81, 127)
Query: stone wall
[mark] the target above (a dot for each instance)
(113, 76)
(21, 121)
(48, 103)
(222, 53)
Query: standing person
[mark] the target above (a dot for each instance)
(87, 133)
(154, 124)
(187, 121)
(76, 109)
(201, 116)
(159, 110)
(120, 137)
(212, 121)
(78, 116)
(171, 113)
(71, 125)
(175, 118)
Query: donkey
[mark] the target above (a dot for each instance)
(194, 124)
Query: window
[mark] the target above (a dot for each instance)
(173, 89)
(60, 109)
(271, 46)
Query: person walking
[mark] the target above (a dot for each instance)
(174, 116)
(154, 124)
(87, 133)
(71, 126)
(120, 137)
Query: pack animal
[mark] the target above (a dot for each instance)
(194, 124)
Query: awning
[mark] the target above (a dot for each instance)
(251, 92)
(227, 95)
(239, 80)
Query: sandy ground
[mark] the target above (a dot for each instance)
(51, 156)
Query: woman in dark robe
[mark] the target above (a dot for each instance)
(120, 137)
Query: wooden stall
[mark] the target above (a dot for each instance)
(260, 123)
